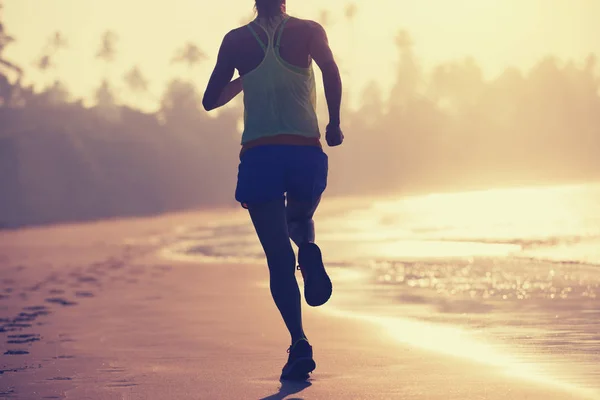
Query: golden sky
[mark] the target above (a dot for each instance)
(497, 33)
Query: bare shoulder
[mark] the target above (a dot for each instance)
(307, 24)
(235, 34)
(310, 29)
(231, 40)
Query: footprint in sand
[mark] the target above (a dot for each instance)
(37, 309)
(96, 270)
(121, 384)
(82, 294)
(23, 339)
(37, 286)
(87, 279)
(65, 339)
(116, 264)
(63, 357)
(112, 370)
(14, 327)
(61, 301)
(2, 371)
(136, 271)
(16, 352)
(8, 392)
(160, 270)
(29, 316)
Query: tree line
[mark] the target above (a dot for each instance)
(446, 128)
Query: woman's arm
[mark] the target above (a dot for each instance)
(220, 89)
(323, 56)
(232, 89)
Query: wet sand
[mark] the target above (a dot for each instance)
(92, 311)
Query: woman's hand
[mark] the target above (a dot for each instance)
(232, 89)
(334, 135)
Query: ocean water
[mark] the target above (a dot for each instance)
(509, 278)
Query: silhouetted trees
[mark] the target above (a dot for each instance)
(136, 82)
(108, 47)
(55, 43)
(105, 95)
(447, 128)
(191, 55)
(7, 90)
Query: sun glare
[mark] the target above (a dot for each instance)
(496, 34)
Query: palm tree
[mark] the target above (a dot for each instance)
(106, 102)
(105, 97)
(5, 40)
(135, 81)
(55, 43)
(189, 54)
(180, 102)
(325, 18)
(7, 89)
(408, 73)
(350, 14)
(108, 47)
(404, 40)
(58, 41)
(56, 94)
(351, 11)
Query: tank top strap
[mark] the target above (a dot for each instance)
(256, 36)
(273, 33)
(280, 29)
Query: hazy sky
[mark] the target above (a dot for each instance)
(497, 33)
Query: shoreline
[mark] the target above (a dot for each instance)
(443, 339)
(122, 322)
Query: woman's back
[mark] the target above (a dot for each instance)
(295, 43)
(278, 80)
(279, 98)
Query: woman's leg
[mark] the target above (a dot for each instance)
(306, 180)
(270, 222)
(301, 227)
(300, 222)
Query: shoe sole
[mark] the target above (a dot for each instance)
(317, 285)
(299, 370)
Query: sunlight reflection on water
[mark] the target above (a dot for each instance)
(519, 268)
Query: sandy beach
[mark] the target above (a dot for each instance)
(95, 311)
